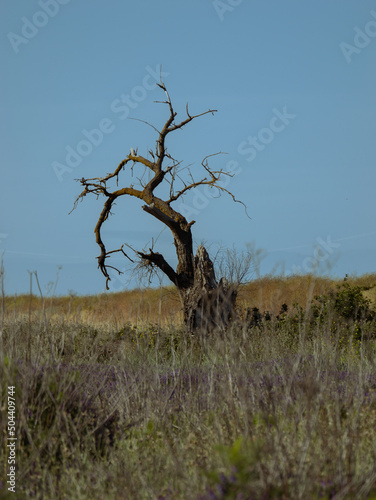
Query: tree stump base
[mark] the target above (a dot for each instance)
(208, 305)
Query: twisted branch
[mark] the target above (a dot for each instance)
(157, 207)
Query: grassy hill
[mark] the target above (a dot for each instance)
(111, 399)
(162, 306)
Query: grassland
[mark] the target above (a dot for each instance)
(114, 400)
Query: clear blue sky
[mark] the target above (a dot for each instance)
(294, 85)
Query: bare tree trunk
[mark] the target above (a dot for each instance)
(208, 305)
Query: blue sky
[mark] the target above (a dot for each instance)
(294, 85)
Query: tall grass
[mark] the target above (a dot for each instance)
(283, 409)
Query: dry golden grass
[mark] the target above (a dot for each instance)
(148, 305)
(162, 306)
(269, 293)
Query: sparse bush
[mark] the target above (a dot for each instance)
(350, 303)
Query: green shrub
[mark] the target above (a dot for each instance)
(350, 303)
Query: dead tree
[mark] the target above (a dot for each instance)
(207, 304)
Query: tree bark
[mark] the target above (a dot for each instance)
(208, 306)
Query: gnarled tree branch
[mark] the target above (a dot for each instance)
(193, 276)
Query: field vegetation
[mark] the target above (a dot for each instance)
(114, 400)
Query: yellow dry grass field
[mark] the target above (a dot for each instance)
(162, 305)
